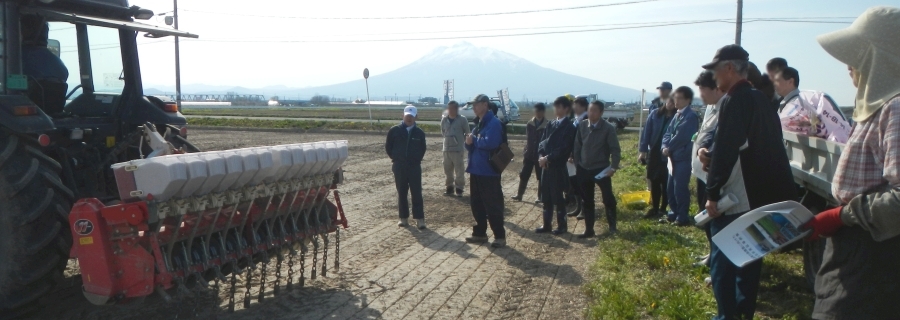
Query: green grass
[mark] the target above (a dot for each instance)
(307, 125)
(646, 272)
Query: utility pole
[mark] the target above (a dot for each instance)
(738, 24)
(177, 60)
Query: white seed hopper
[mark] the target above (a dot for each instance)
(196, 174)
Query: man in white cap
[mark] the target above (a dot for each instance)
(859, 277)
(405, 146)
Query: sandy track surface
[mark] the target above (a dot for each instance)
(386, 271)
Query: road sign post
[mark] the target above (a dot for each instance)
(368, 102)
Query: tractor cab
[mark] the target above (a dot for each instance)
(73, 82)
(96, 43)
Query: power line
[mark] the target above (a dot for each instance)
(643, 26)
(425, 17)
(799, 20)
(501, 29)
(621, 26)
(453, 37)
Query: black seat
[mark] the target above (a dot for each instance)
(49, 95)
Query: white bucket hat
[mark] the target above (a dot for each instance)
(871, 45)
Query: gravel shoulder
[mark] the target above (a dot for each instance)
(386, 271)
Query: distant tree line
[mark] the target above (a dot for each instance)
(320, 99)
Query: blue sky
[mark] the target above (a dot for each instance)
(634, 58)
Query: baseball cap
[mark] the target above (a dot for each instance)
(480, 98)
(729, 52)
(409, 110)
(665, 85)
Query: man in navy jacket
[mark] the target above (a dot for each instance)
(677, 147)
(553, 153)
(405, 146)
(486, 192)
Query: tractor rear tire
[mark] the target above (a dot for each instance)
(35, 236)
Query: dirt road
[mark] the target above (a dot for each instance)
(387, 271)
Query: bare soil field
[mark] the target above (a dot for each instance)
(387, 271)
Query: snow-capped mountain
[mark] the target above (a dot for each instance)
(474, 70)
(477, 70)
(464, 52)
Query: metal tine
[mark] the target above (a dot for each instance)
(284, 195)
(293, 214)
(203, 285)
(193, 236)
(263, 220)
(212, 229)
(319, 221)
(172, 240)
(163, 294)
(246, 215)
(271, 243)
(221, 276)
(182, 289)
(187, 262)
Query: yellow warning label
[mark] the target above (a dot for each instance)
(86, 240)
(110, 141)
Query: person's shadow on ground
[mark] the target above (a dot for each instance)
(427, 237)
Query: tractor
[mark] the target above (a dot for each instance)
(81, 149)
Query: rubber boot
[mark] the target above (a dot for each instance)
(562, 225)
(548, 222)
(611, 219)
(523, 184)
(588, 228)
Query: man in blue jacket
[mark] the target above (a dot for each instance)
(553, 154)
(677, 147)
(486, 192)
(405, 146)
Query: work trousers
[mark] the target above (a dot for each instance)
(659, 196)
(586, 185)
(574, 190)
(555, 179)
(455, 169)
(701, 205)
(701, 194)
(735, 288)
(486, 200)
(527, 167)
(679, 191)
(408, 178)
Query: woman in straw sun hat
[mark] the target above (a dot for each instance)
(859, 277)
